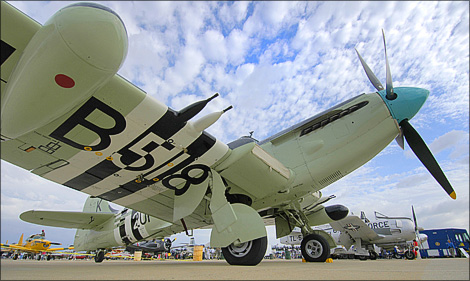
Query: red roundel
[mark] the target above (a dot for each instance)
(64, 81)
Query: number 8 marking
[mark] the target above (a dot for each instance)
(189, 180)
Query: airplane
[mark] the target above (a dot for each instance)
(101, 229)
(67, 116)
(34, 244)
(154, 246)
(384, 231)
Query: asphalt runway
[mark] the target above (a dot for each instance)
(427, 269)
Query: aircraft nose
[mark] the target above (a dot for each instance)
(408, 102)
(423, 237)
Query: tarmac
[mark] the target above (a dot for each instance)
(382, 269)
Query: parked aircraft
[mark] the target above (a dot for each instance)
(383, 231)
(100, 228)
(35, 244)
(68, 117)
(154, 246)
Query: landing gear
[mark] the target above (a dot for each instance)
(315, 248)
(48, 257)
(409, 255)
(373, 255)
(15, 256)
(99, 257)
(248, 253)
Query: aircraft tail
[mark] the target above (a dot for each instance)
(97, 205)
(20, 242)
(92, 205)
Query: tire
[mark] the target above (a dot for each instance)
(99, 257)
(409, 255)
(373, 255)
(248, 253)
(315, 248)
(15, 256)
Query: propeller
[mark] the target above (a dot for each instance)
(407, 132)
(389, 85)
(423, 153)
(416, 228)
(167, 243)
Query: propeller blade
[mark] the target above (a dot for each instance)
(416, 228)
(389, 85)
(400, 140)
(414, 218)
(372, 78)
(423, 153)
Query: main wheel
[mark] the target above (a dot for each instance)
(373, 255)
(409, 255)
(315, 248)
(15, 256)
(99, 257)
(248, 253)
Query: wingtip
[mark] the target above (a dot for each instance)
(453, 195)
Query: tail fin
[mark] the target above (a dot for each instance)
(92, 205)
(97, 205)
(20, 242)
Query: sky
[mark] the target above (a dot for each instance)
(279, 63)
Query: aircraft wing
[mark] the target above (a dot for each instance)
(30, 250)
(118, 143)
(59, 249)
(17, 247)
(79, 220)
(356, 228)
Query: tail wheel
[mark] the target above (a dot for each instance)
(99, 257)
(248, 253)
(315, 248)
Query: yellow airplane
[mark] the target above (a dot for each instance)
(34, 244)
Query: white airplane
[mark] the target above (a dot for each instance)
(68, 117)
(382, 231)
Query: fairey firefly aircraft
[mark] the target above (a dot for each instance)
(68, 117)
(100, 227)
(383, 231)
(35, 244)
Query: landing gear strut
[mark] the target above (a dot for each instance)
(248, 253)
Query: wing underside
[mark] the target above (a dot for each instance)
(119, 145)
(355, 228)
(77, 220)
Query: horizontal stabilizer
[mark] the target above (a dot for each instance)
(79, 220)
